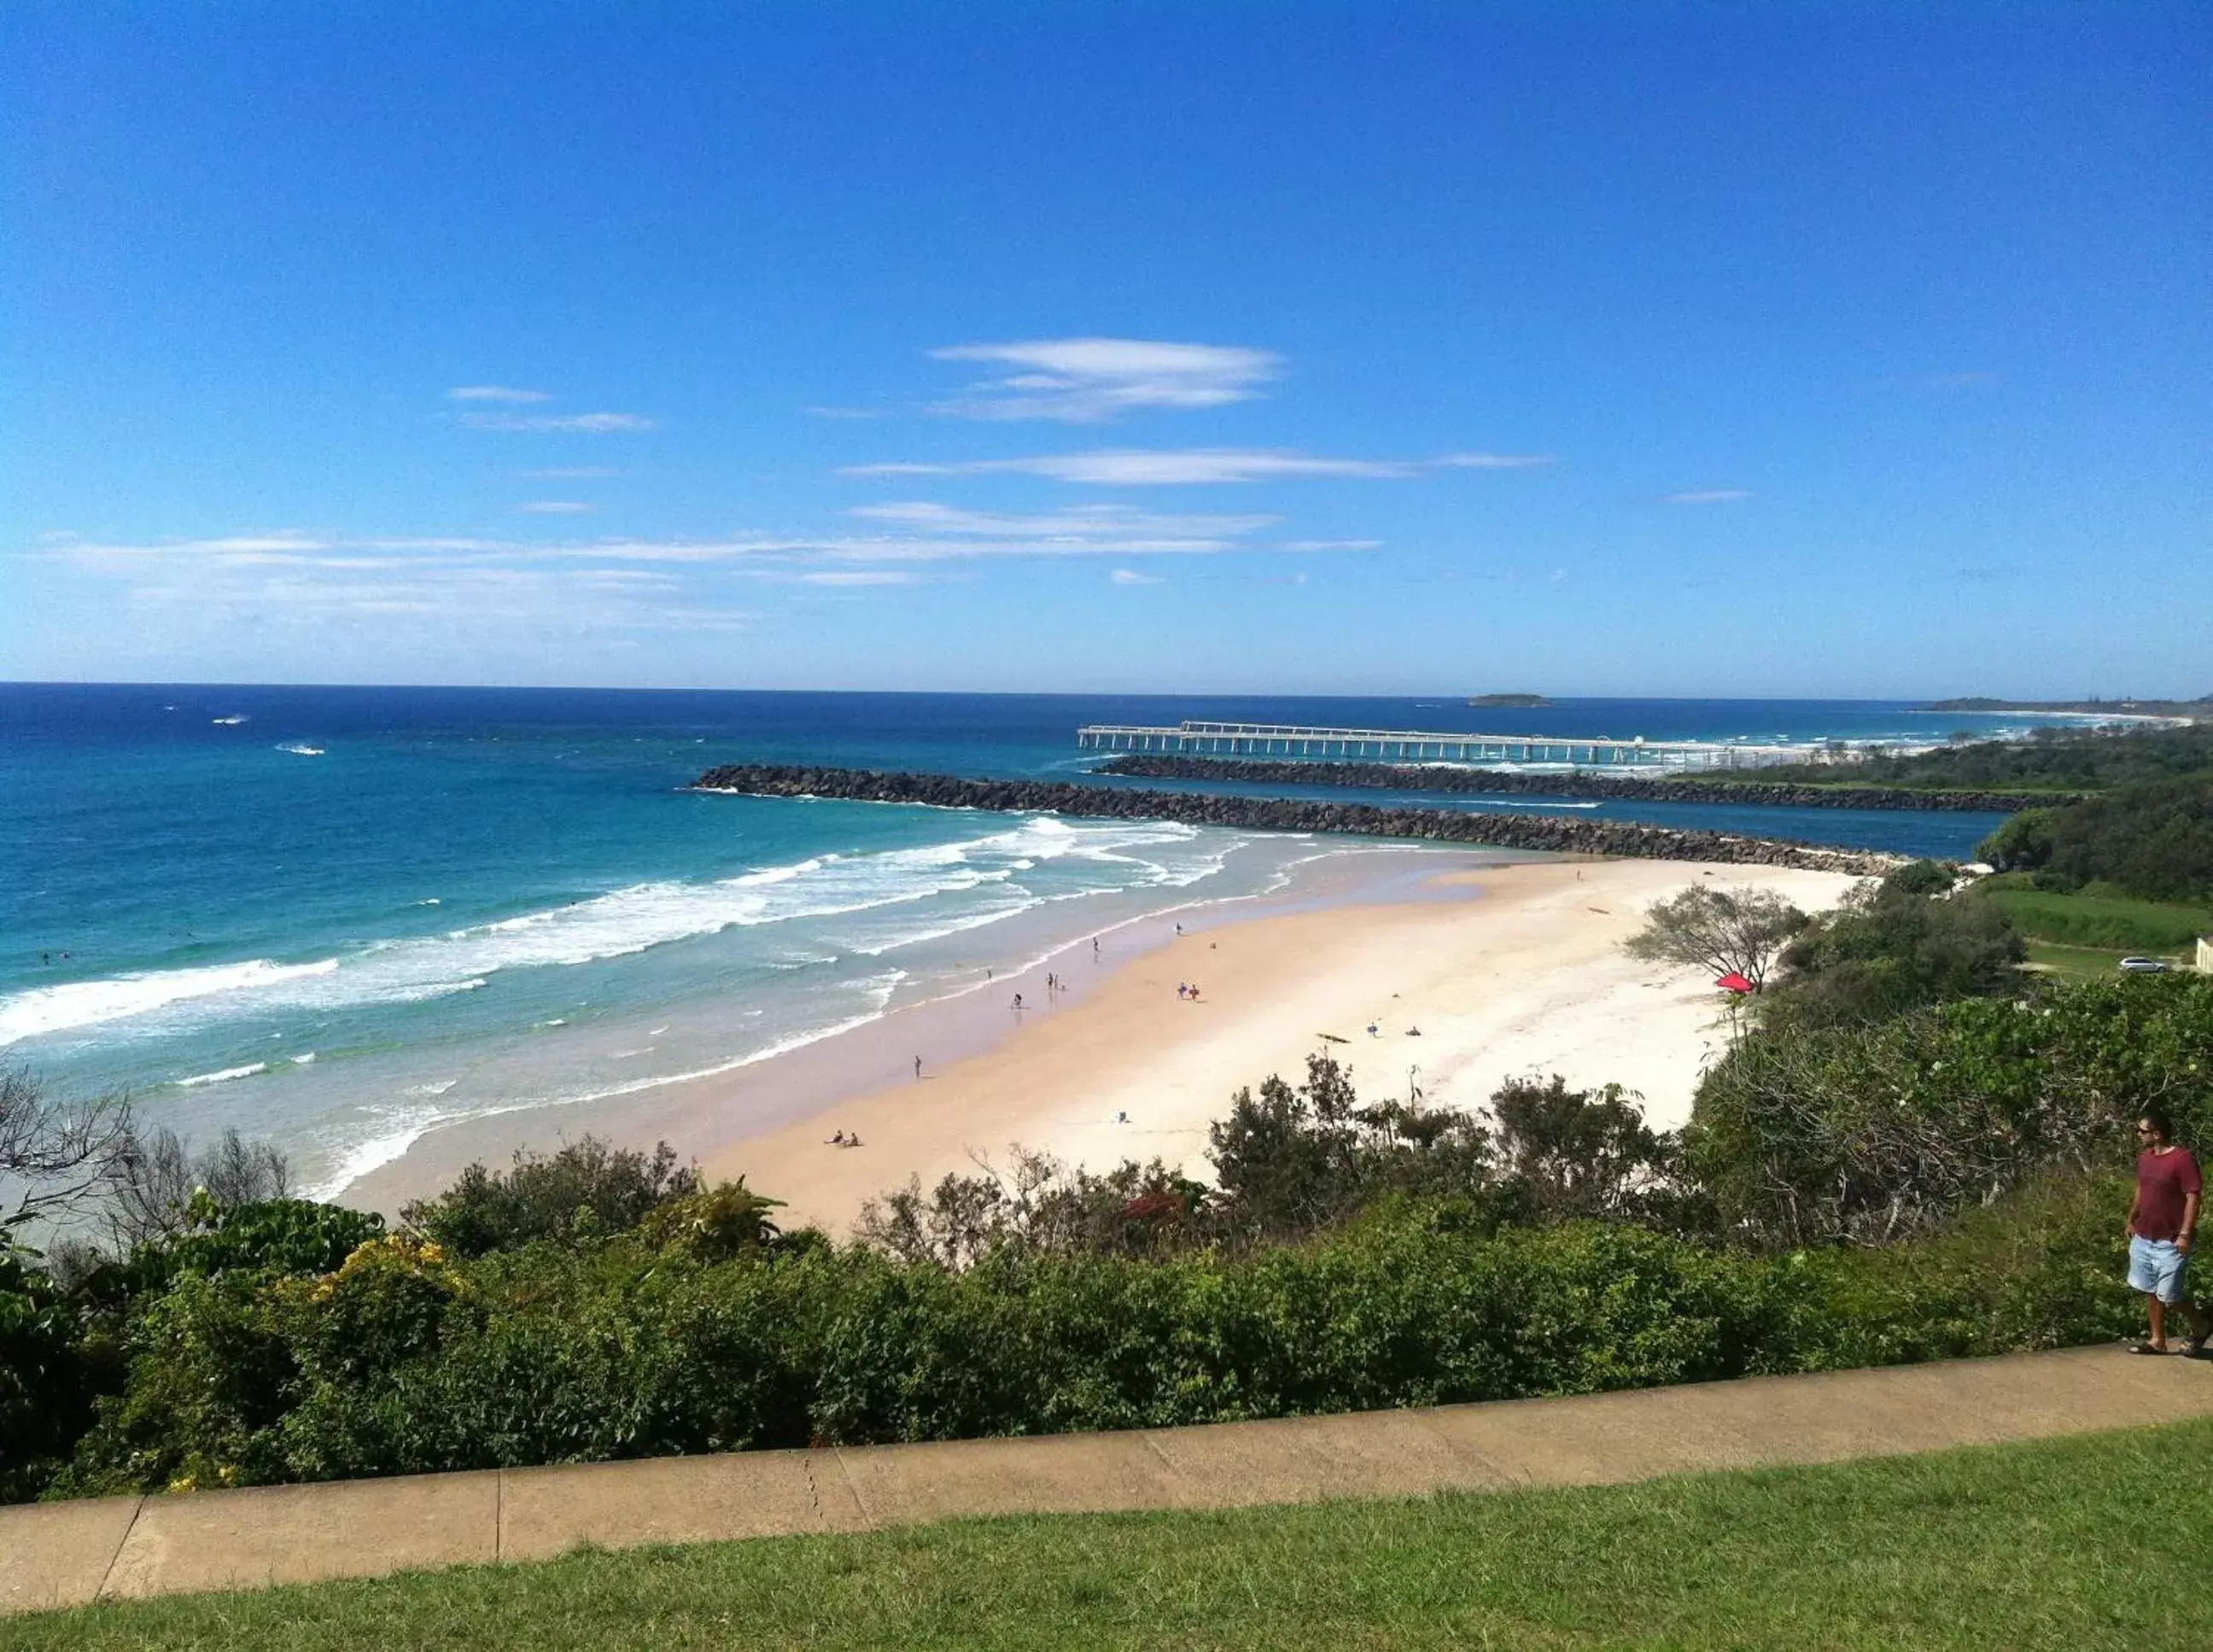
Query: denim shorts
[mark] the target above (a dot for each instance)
(2157, 1269)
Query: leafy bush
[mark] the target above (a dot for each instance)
(2154, 840)
(44, 1400)
(588, 1189)
(1894, 947)
(405, 1361)
(1808, 1135)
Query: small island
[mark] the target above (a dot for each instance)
(1521, 700)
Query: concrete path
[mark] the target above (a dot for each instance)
(66, 1553)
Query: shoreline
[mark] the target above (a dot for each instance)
(1505, 968)
(701, 1113)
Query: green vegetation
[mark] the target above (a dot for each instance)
(1893, 947)
(2114, 924)
(2075, 963)
(2085, 1542)
(1908, 1151)
(2056, 759)
(2152, 840)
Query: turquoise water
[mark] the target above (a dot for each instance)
(338, 916)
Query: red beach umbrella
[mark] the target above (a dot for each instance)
(1735, 981)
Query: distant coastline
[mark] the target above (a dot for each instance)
(1523, 702)
(2130, 711)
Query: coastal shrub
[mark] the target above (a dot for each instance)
(2152, 840)
(586, 1189)
(163, 1189)
(211, 1370)
(1810, 1134)
(1894, 947)
(44, 1398)
(403, 1361)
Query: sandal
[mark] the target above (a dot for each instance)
(2147, 1348)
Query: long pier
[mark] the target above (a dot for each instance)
(1300, 742)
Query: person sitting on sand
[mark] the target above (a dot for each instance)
(838, 1140)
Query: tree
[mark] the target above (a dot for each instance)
(587, 1189)
(1724, 931)
(155, 1176)
(55, 1154)
(1894, 947)
(1576, 1153)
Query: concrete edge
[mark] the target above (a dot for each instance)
(261, 1536)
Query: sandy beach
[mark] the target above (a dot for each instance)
(1502, 971)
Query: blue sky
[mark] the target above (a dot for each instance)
(1655, 349)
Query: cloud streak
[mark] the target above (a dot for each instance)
(588, 424)
(1093, 381)
(495, 393)
(1127, 467)
(1707, 496)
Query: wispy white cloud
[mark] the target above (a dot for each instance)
(1156, 468)
(1131, 576)
(1089, 381)
(1195, 467)
(1329, 545)
(1707, 496)
(1072, 522)
(589, 424)
(574, 473)
(495, 393)
(1492, 461)
(554, 506)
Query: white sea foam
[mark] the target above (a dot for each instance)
(307, 1060)
(223, 1077)
(88, 1003)
(300, 748)
(631, 920)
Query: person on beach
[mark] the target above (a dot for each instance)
(2161, 1226)
(918, 1066)
(1018, 1001)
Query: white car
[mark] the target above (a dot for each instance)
(2145, 965)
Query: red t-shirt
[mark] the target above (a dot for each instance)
(2164, 1181)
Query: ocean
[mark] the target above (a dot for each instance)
(337, 918)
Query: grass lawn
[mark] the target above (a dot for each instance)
(2077, 963)
(2114, 922)
(2102, 1540)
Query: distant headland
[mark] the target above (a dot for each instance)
(2200, 708)
(1524, 700)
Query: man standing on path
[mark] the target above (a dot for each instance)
(2163, 1221)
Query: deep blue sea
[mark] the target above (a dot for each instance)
(338, 916)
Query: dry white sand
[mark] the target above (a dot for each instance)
(1516, 970)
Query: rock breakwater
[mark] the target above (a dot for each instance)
(1622, 837)
(1415, 776)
